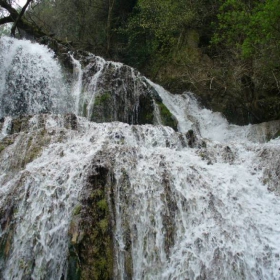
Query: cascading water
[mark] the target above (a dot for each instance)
(31, 80)
(77, 197)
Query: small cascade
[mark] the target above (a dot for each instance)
(212, 125)
(113, 199)
(31, 80)
(157, 116)
(6, 127)
(77, 83)
(91, 86)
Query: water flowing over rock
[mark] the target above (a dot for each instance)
(108, 91)
(114, 199)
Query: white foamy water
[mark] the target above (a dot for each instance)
(6, 128)
(208, 124)
(189, 219)
(207, 212)
(77, 82)
(31, 80)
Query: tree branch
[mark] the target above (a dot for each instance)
(13, 12)
(6, 20)
(13, 30)
(19, 20)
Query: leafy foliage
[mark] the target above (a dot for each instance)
(250, 26)
(89, 24)
(156, 27)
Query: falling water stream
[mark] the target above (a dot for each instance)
(205, 207)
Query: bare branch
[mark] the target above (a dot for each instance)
(13, 30)
(6, 20)
(4, 4)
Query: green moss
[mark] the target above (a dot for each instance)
(84, 110)
(32, 154)
(92, 256)
(149, 118)
(35, 146)
(166, 117)
(101, 99)
(20, 124)
(102, 205)
(4, 143)
(103, 109)
(103, 224)
(77, 210)
(96, 194)
(2, 147)
(101, 263)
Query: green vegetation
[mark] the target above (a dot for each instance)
(102, 205)
(91, 246)
(102, 111)
(256, 26)
(77, 210)
(166, 117)
(153, 28)
(87, 24)
(102, 99)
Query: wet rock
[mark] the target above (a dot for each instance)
(192, 139)
(71, 121)
(228, 155)
(116, 92)
(91, 235)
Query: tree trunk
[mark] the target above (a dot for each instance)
(109, 25)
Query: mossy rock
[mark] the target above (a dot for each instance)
(145, 110)
(20, 124)
(103, 110)
(6, 238)
(102, 99)
(167, 118)
(91, 246)
(77, 210)
(4, 143)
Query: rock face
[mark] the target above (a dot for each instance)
(110, 91)
(91, 248)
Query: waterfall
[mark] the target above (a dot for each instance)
(96, 183)
(77, 83)
(31, 80)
